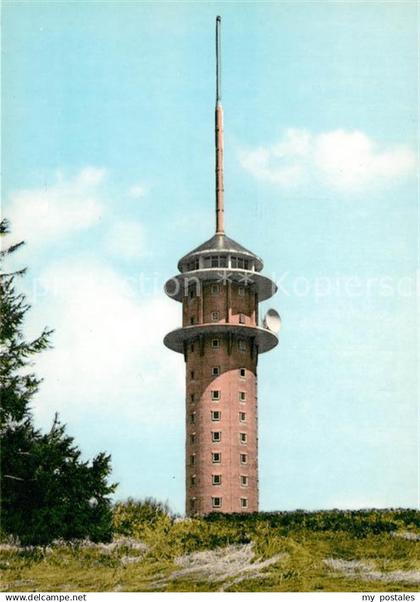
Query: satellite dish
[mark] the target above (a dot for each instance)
(272, 320)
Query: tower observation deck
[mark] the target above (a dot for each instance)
(220, 285)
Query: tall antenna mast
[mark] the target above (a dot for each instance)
(220, 211)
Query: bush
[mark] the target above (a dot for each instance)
(167, 537)
(132, 517)
(358, 523)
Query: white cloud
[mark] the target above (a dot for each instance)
(126, 239)
(90, 176)
(137, 192)
(42, 215)
(108, 356)
(260, 163)
(344, 161)
(352, 161)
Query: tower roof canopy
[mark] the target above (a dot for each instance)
(220, 243)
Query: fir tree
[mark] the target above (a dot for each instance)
(48, 491)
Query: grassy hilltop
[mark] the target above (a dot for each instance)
(365, 550)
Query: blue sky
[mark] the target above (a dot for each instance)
(108, 170)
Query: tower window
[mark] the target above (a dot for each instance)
(215, 395)
(244, 502)
(215, 416)
(215, 261)
(241, 345)
(214, 315)
(216, 436)
(215, 370)
(192, 397)
(216, 502)
(240, 263)
(216, 457)
(216, 479)
(215, 289)
(244, 458)
(192, 460)
(242, 416)
(192, 418)
(243, 437)
(192, 291)
(192, 265)
(215, 343)
(192, 347)
(192, 320)
(244, 481)
(242, 372)
(242, 396)
(241, 291)
(193, 480)
(192, 374)
(223, 261)
(241, 318)
(192, 438)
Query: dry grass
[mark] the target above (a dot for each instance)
(198, 555)
(407, 535)
(226, 566)
(366, 571)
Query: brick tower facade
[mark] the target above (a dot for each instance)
(220, 286)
